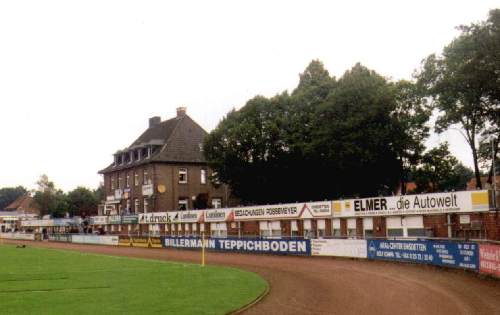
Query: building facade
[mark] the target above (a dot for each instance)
(163, 169)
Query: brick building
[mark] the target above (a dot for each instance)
(162, 170)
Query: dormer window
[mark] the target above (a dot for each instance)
(135, 155)
(131, 156)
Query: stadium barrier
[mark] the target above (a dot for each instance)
(475, 255)
(18, 236)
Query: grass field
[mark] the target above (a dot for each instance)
(47, 281)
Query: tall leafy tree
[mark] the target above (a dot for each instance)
(329, 138)
(9, 194)
(464, 82)
(411, 114)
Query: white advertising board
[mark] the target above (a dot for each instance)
(218, 215)
(18, 236)
(463, 201)
(95, 239)
(339, 248)
(99, 220)
(284, 211)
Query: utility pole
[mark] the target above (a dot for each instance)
(494, 174)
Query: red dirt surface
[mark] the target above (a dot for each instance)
(305, 285)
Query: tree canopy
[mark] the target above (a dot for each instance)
(329, 138)
(464, 83)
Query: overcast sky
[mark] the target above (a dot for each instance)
(79, 79)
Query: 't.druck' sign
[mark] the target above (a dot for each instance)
(271, 246)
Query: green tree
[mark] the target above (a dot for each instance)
(440, 171)
(412, 115)
(81, 201)
(464, 82)
(50, 200)
(9, 194)
(355, 140)
(327, 139)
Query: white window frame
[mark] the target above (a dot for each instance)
(203, 176)
(217, 203)
(145, 205)
(136, 205)
(127, 182)
(183, 175)
(183, 201)
(112, 182)
(136, 179)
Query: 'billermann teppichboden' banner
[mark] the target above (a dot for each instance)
(270, 246)
(463, 201)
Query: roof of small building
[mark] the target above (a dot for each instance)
(25, 204)
(180, 139)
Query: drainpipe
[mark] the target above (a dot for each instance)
(449, 225)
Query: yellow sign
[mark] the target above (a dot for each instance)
(162, 189)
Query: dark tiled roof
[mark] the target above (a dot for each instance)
(162, 131)
(24, 203)
(181, 138)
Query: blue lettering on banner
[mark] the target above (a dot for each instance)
(442, 253)
(270, 246)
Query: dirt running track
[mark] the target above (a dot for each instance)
(300, 285)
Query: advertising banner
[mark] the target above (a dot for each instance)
(269, 246)
(94, 239)
(115, 219)
(462, 201)
(158, 217)
(99, 220)
(155, 242)
(140, 241)
(283, 211)
(447, 254)
(338, 248)
(124, 241)
(60, 238)
(190, 216)
(18, 236)
(489, 259)
(130, 219)
(218, 215)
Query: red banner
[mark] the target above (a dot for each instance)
(489, 259)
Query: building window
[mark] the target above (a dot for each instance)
(145, 177)
(136, 204)
(136, 179)
(112, 183)
(145, 204)
(336, 231)
(218, 229)
(203, 176)
(120, 182)
(321, 225)
(351, 227)
(294, 228)
(215, 178)
(368, 227)
(183, 204)
(183, 176)
(216, 203)
(127, 209)
(308, 233)
(127, 182)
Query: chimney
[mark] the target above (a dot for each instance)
(181, 111)
(154, 121)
